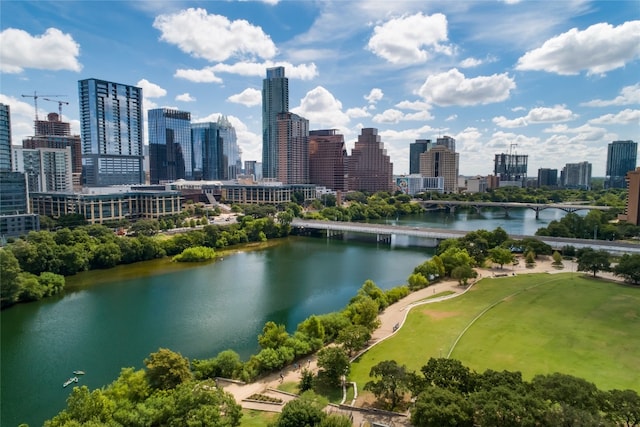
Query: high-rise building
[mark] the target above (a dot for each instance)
(5, 138)
(369, 167)
(111, 126)
(440, 161)
(275, 100)
(415, 149)
(206, 138)
(54, 133)
(511, 169)
(231, 154)
(632, 210)
(171, 153)
(47, 169)
(448, 142)
(621, 159)
(576, 175)
(547, 177)
(293, 149)
(327, 159)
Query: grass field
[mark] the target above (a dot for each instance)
(534, 323)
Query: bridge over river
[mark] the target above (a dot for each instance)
(383, 233)
(451, 205)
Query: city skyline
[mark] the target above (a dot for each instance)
(559, 82)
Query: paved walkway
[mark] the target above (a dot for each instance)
(391, 320)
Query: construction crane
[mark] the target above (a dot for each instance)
(59, 106)
(35, 97)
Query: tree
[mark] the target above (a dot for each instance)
(463, 273)
(448, 373)
(629, 268)
(573, 391)
(501, 256)
(593, 261)
(623, 407)
(440, 407)
(417, 281)
(313, 328)
(145, 227)
(455, 257)
(167, 369)
(229, 363)
(334, 363)
(364, 312)
(353, 337)
(106, 255)
(392, 382)
(9, 285)
(51, 284)
(557, 259)
(273, 336)
(302, 412)
(306, 380)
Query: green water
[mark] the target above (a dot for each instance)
(119, 316)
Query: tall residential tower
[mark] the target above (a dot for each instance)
(111, 127)
(275, 100)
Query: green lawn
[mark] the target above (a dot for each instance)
(534, 323)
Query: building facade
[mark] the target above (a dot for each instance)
(621, 159)
(231, 154)
(206, 139)
(415, 149)
(369, 167)
(439, 161)
(275, 100)
(47, 169)
(111, 126)
(632, 210)
(108, 206)
(414, 184)
(448, 142)
(511, 169)
(327, 159)
(293, 149)
(547, 177)
(576, 175)
(5, 138)
(171, 152)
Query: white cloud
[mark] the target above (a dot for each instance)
(628, 95)
(598, 49)
(151, 90)
(558, 113)
(470, 63)
(453, 88)
(389, 116)
(185, 97)
(249, 97)
(451, 118)
(302, 71)
(374, 95)
(214, 37)
(625, 117)
(356, 113)
(413, 105)
(205, 75)
(52, 50)
(322, 109)
(410, 39)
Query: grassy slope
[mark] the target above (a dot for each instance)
(541, 324)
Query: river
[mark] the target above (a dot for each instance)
(115, 318)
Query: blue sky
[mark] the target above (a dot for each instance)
(556, 80)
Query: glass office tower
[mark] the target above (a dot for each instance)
(5, 138)
(111, 126)
(206, 139)
(621, 159)
(275, 100)
(171, 152)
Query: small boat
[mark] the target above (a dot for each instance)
(70, 381)
(78, 372)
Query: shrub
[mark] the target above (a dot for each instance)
(195, 254)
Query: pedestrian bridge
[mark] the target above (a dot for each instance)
(451, 205)
(432, 236)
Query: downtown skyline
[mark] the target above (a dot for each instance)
(557, 83)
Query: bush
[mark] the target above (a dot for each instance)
(195, 254)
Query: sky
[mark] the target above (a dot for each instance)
(555, 80)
